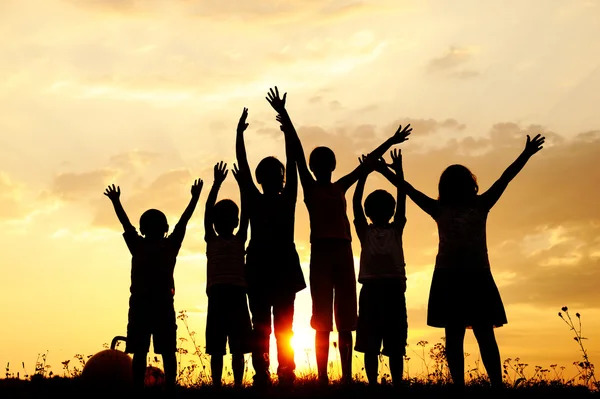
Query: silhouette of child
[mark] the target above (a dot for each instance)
(273, 266)
(332, 277)
(151, 310)
(382, 304)
(463, 293)
(228, 316)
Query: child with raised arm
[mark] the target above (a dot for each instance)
(332, 277)
(382, 315)
(228, 317)
(273, 265)
(151, 308)
(463, 293)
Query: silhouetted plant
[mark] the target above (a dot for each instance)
(584, 367)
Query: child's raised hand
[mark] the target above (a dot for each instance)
(242, 125)
(280, 119)
(401, 135)
(113, 193)
(278, 103)
(197, 188)
(533, 146)
(220, 172)
(396, 155)
(236, 173)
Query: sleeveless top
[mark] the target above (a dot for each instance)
(326, 204)
(462, 233)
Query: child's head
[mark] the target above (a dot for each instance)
(153, 224)
(270, 174)
(225, 217)
(380, 206)
(457, 185)
(322, 163)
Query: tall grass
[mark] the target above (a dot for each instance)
(195, 372)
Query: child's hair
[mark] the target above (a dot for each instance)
(269, 171)
(380, 206)
(225, 216)
(457, 185)
(322, 159)
(153, 222)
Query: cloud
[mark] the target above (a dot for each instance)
(451, 64)
(72, 186)
(11, 193)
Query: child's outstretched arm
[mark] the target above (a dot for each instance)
(400, 215)
(278, 104)
(291, 170)
(400, 136)
(360, 220)
(427, 204)
(114, 194)
(189, 210)
(242, 232)
(492, 195)
(220, 173)
(240, 152)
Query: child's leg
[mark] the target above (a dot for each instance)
(322, 353)
(455, 337)
(237, 365)
(345, 347)
(216, 369)
(261, 321)
(490, 354)
(170, 364)
(283, 318)
(371, 367)
(139, 369)
(396, 368)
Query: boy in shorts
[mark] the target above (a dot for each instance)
(228, 316)
(151, 308)
(382, 306)
(332, 277)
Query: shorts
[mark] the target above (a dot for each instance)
(228, 319)
(151, 317)
(382, 318)
(332, 286)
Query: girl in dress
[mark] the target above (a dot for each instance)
(463, 293)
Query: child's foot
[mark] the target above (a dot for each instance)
(323, 381)
(261, 381)
(287, 378)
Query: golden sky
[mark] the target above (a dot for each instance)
(147, 94)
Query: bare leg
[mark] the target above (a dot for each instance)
(346, 354)
(371, 367)
(139, 369)
(216, 369)
(490, 354)
(322, 353)
(170, 363)
(455, 337)
(396, 369)
(237, 365)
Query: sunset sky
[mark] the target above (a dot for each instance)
(147, 95)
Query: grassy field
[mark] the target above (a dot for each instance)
(521, 380)
(73, 388)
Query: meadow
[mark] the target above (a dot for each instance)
(521, 379)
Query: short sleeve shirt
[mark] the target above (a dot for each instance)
(153, 262)
(225, 261)
(382, 255)
(327, 210)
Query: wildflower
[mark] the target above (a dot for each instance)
(578, 315)
(564, 308)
